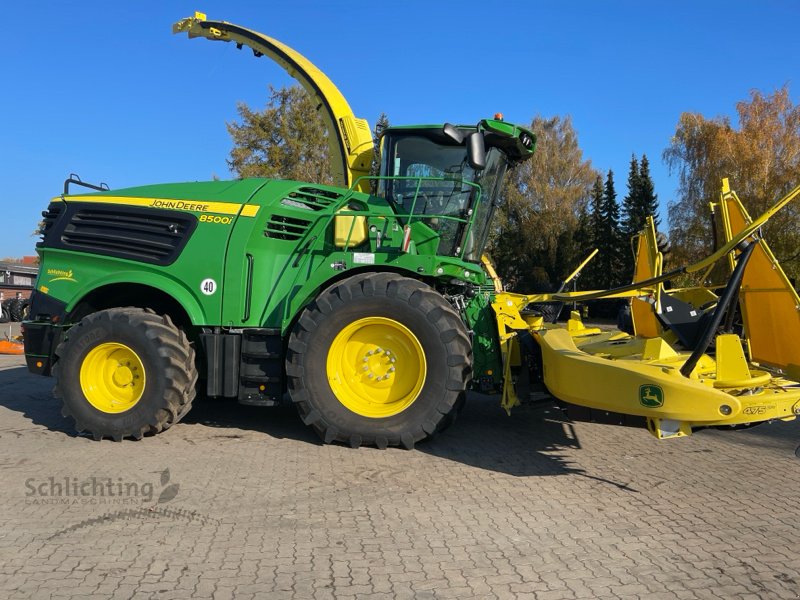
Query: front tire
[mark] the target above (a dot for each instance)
(378, 359)
(125, 372)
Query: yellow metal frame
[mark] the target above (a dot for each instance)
(641, 374)
(490, 271)
(649, 262)
(770, 305)
(349, 139)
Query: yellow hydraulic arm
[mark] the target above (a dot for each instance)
(349, 138)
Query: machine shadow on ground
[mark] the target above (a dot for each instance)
(525, 444)
(280, 422)
(484, 436)
(537, 439)
(32, 397)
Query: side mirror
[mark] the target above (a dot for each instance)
(453, 133)
(476, 151)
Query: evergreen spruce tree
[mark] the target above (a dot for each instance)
(593, 275)
(631, 217)
(631, 201)
(610, 257)
(640, 202)
(649, 199)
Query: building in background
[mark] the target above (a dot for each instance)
(18, 277)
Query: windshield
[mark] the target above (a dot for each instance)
(432, 181)
(491, 182)
(443, 167)
(435, 182)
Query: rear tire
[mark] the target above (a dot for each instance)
(125, 372)
(341, 362)
(16, 309)
(6, 309)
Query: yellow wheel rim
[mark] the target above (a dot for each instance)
(376, 367)
(112, 377)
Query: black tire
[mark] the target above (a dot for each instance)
(167, 358)
(415, 305)
(16, 309)
(450, 418)
(550, 311)
(4, 316)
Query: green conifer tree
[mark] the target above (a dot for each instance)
(630, 203)
(610, 242)
(648, 197)
(593, 275)
(631, 217)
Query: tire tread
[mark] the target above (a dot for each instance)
(177, 358)
(439, 314)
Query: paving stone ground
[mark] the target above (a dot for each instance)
(246, 503)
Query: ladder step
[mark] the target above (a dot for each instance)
(258, 400)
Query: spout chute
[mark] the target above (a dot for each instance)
(349, 138)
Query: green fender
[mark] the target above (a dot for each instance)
(170, 286)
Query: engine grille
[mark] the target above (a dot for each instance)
(282, 227)
(141, 234)
(49, 218)
(310, 198)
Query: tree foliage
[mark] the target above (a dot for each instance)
(608, 269)
(286, 140)
(537, 230)
(648, 199)
(631, 200)
(762, 159)
(639, 203)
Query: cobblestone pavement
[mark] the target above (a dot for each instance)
(241, 502)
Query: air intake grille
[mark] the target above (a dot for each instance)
(286, 228)
(142, 234)
(49, 218)
(308, 198)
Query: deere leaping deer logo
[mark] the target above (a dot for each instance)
(651, 396)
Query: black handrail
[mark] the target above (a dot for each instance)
(73, 178)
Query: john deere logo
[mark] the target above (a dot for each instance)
(651, 396)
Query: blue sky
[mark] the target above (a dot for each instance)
(103, 89)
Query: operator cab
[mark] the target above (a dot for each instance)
(449, 178)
